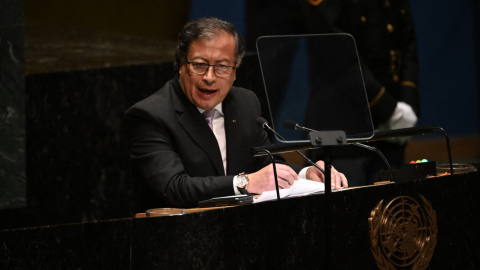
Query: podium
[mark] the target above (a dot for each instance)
(286, 234)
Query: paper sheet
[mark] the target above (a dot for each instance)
(299, 188)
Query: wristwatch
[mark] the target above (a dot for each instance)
(242, 183)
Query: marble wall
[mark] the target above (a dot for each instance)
(66, 79)
(12, 112)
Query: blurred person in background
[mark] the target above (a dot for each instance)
(387, 46)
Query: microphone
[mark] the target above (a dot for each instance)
(289, 124)
(264, 124)
(293, 125)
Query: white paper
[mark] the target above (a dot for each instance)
(299, 188)
(272, 195)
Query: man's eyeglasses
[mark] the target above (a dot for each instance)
(220, 70)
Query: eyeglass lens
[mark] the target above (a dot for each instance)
(220, 70)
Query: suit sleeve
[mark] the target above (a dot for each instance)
(381, 102)
(159, 169)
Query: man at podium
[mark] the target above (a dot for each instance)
(191, 140)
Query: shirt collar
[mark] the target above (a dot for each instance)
(219, 111)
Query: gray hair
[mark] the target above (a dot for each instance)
(206, 29)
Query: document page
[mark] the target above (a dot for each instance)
(299, 188)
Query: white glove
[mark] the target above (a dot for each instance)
(402, 117)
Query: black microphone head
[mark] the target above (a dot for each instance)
(261, 121)
(290, 124)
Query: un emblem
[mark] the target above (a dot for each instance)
(403, 234)
(315, 2)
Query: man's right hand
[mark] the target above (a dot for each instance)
(264, 179)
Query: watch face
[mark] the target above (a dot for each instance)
(242, 181)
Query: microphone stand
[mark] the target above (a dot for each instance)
(374, 149)
(274, 171)
(448, 148)
(390, 134)
(292, 125)
(328, 204)
(265, 125)
(309, 161)
(327, 140)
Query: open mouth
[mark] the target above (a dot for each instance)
(207, 93)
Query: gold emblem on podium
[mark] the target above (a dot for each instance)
(315, 2)
(403, 233)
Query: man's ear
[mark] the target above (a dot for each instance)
(180, 65)
(179, 62)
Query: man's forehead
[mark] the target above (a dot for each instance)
(223, 45)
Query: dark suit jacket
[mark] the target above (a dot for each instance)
(175, 158)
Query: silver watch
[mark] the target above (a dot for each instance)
(242, 181)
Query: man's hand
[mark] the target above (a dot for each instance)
(338, 178)
(264, 179)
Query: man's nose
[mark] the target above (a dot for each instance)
(209, 75)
